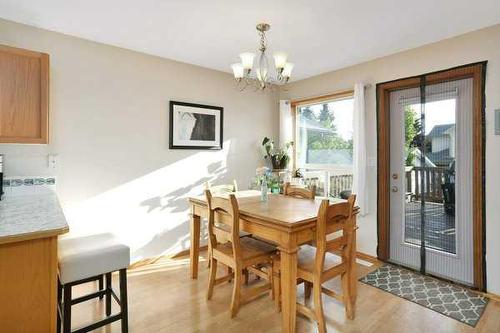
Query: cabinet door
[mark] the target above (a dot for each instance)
(24, 96)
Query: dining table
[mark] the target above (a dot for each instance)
(285, 221)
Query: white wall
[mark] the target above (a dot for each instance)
(476, 46)
(109, 128)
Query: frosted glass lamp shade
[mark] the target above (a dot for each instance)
(287, 71)
(237, 70)
(261, 74)
(280, 60)
(247, 60)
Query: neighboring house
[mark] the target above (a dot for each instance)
(442, 144)
(418, 159)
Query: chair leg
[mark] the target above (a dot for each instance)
(123, 299)
(245, 273)
(108, 294)
(318, 307)
(277, 285)
(101, 284)
(209, 256)
(211, 279)
(235, 300)
(307, 290)
(270, 278)
(349, 307)
(229, 271)
(59, 304)
(67, 309)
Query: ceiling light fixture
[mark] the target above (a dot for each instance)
(259, 77)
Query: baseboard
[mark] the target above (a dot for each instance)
(150, 261)
(186, 252)
(491, 296)
(367, 257)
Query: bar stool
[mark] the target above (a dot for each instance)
(87, 259)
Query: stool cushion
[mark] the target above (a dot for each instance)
(89, 256)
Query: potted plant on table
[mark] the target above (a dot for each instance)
(277, 157)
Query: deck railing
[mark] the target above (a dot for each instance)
(339, 183)
(433, 179)
(326, 182)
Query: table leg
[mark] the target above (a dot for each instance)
(194, 251)
(354, 275)
(349, 281)
(288, 289)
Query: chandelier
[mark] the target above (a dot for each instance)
(259, 77)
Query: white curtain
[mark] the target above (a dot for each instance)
(286, 122)
(359, 149)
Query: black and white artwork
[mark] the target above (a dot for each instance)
(195, 126)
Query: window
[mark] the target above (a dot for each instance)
(324, 146)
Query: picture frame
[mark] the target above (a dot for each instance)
(195, 126)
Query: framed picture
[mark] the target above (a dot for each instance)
(195, 126)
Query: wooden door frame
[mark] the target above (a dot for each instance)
(477, 71)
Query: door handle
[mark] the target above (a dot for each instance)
(394, 189)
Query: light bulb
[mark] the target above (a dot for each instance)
(280, 60)
(287, 71)
(237, 70)
(247, 60)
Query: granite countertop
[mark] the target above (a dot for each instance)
(30, 217)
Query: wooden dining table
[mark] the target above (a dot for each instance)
(285, 221)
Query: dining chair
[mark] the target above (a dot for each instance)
(222, 188)
(299, 192)
(317, 264)
(238, 253)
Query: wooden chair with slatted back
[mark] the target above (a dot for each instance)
(299, 192)
(238, 253)
(222, 188)
(317, 265)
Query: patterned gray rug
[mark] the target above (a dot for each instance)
(443, 297)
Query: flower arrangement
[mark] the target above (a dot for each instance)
(278, 157)
(264, 176)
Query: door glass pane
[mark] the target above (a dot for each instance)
(430, 170)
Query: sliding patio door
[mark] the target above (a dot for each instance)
(431, 179)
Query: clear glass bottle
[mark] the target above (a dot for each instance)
(263, 190)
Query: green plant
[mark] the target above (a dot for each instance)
(278, 157)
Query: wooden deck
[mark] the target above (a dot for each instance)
(440, 227)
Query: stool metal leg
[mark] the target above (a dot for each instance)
(59, 309)
(108, 294)
(67, 309)
(101, 284)
(123, 300)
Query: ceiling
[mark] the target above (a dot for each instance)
(319, 35)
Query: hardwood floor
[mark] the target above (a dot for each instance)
(163, 298)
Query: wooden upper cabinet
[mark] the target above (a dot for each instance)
(24, 96)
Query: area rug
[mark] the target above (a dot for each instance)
(446, 298)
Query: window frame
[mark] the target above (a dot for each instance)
(295, 104)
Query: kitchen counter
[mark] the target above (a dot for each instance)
(30, 217)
